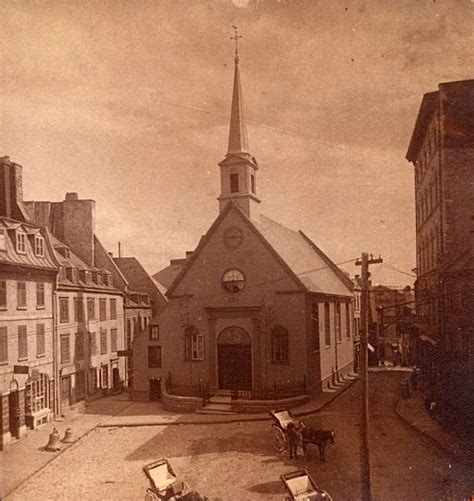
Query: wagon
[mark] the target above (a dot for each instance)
(165, 485)
(280, 420)
(301, 487)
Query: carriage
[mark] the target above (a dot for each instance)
(280, 420)
(301, 487)
(165, 485)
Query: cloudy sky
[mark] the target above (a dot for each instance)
(127, 102)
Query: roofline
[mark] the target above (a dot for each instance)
(111, 260)
(427, 107)
(202, 243)
(342, 276)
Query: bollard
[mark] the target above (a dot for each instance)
(53, 443)
(68, 437)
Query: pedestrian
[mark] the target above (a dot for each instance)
(293, 440)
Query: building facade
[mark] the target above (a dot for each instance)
(255, 305)
(90, 309)
(28, 271)
(442, 152)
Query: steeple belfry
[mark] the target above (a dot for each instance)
(239, 168)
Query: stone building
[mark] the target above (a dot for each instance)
(90, 312)
(442, 152)
(28, 272)
(255, 306)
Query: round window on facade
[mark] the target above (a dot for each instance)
(233, 281)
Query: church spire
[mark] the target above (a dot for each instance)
(238, 140)
(239, 168)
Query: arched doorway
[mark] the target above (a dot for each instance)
(234, 351)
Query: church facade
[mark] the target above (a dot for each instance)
(255, 305)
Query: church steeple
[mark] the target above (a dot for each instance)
(238, 139)
(239, 168)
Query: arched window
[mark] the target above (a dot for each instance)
(279, 345)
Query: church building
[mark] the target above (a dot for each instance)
(256, 306)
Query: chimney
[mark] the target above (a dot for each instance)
(78, 218)
(188, 254)
(11, 190)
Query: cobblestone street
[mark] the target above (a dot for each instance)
(236, 461)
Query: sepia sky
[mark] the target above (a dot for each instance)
(127, 103)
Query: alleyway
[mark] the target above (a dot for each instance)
(236, 461)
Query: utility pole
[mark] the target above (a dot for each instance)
(364, 362)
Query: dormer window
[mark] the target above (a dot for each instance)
(3, 240)
(234, 183)
(70, 275)
(252, 183)
(20, 242)
(39, 245)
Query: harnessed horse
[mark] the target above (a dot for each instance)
(318, 437)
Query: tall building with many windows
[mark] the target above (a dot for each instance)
(442, 152)
(28, 271)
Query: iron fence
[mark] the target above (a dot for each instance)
(278, 391)
(198, 390)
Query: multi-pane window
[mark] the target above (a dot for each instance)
(78, 310)
(279, 345)
(39, 245)
(337, 321)
(315, 326)
(80, 388)
(92, 343)
(3, 344)
(20, 242)
(113, 339)
(105, 376)
(348, 320)
(37, 394)
(327, 325)
(92, 386)
(3, 294)
(113, 308)
(91, 308)
(79, 346)
(154, 356)
(103, 309)
(21, 294)
(22, 342)
(40, 294)
(103, 341)
(65, 349)
(63, 310)
(234, 183)
(155, 332)
(40, 340)
(194, 344)
(3, 240)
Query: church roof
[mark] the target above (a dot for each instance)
(314, 269)
(166, 276)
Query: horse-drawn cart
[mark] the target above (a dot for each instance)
(165, 485)
(281, 418)
(301, 487)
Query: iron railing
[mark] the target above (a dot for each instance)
(278, 391)
(198, 390)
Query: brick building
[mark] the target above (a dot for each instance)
(442, 152)
(90, 313)
(28, 272)
(255, 305)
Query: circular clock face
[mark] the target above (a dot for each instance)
(233, 237)
(233, 281)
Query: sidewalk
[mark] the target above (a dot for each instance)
(414, 413)
(27, 457)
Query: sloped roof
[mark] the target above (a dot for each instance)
(314, 269)
(311, 268)
(30, 259)
(167, 275)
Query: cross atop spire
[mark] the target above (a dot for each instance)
(235, 37)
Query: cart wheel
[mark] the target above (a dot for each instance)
(279, 440)
(151, 496)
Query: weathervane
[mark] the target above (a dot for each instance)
(235, 37)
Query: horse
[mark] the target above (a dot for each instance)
(318, 437)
